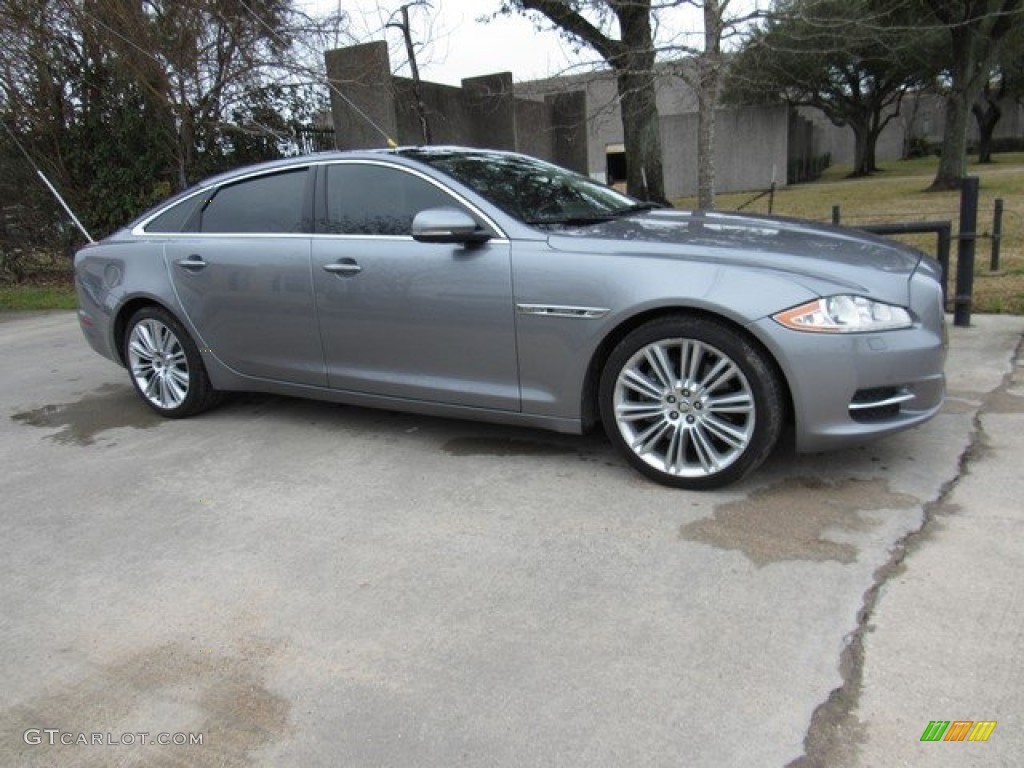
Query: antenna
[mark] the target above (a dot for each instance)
(49, 186)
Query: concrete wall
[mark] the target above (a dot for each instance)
(750, 150)
(750, 142)
(569, 140)
(444, 107)
(600, 121)
(925, 118)
(484, 112)
(363, 74)
(838, 140)
(921, 116)
(533, 121)
(574, 121)
(491, 102)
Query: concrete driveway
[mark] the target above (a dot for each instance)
(295, 583)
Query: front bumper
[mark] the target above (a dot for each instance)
(850, 388)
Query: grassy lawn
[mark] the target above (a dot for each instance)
(30, 296)
(897, 194)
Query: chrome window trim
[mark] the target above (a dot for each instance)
(295, 236)
(140, 229)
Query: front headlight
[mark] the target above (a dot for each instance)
(844, 314)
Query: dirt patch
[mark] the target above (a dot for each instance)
(112, 406)
(171, 689)
(789, 521)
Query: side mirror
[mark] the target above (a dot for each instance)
(447, 225)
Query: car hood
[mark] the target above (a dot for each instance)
(851, 259)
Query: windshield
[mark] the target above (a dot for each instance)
(531, 190)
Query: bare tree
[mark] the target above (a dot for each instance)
(410, 52)
(122, 101)
(721, 24)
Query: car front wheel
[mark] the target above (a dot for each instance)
(165, 365)
(690, 402)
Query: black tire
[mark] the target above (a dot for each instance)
(690, 402)
(165, 366)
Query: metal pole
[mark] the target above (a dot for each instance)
(966, 245)
(835, 215)
(943, 248)
(997, 234)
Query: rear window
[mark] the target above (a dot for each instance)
(175, 217)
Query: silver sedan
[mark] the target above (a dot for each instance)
(493, 286)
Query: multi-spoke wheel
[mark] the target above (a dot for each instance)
(690, 402)
(165, 365)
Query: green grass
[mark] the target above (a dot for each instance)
(899, 193)
(28, 296)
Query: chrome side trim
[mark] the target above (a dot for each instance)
(558, 310)
(894, 400)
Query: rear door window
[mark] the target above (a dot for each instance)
(271, 204)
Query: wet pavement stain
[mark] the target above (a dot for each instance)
(788, 521)
(112, 406)
(172, 689)
(493, 446)
(1005, 402)
(958, 407)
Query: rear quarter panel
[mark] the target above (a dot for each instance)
(110, 275)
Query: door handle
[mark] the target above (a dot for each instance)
(343, 267)
(194, 263)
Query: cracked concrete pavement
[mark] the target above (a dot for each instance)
(311, 584)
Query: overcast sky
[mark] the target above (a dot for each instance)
(461, 45)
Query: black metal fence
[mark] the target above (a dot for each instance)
(312, 140)
(966, 237)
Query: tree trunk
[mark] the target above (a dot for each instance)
(987, 117)
(953, 162)
(863, 152)
(642, 132)
(877, 125)
(705, 150)
(417, 90)
(710, 72)
(632, 59)
(870, 153)
(977, 32)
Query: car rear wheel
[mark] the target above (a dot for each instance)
(165, 365)
(690, 402)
